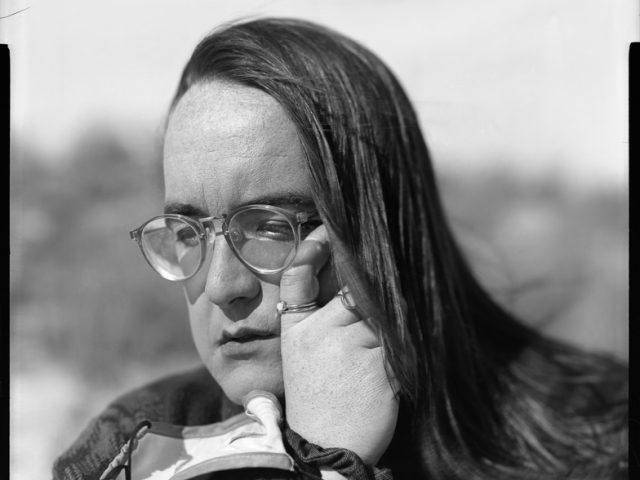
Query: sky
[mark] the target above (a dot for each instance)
(536, 86)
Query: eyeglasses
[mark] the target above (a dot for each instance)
(265, 238)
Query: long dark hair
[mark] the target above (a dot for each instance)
(482, 395)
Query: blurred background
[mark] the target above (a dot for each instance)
(523, 104)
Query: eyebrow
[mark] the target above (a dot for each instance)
(292, 199)
(186, 209)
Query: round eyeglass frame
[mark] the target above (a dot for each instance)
(203, 228)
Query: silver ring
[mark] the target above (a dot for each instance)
(283, 307)
(347, 299)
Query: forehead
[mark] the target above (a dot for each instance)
(227, 144)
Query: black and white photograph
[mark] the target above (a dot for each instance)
(355, 239)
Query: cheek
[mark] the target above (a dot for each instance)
(200, 324)
(194, 287)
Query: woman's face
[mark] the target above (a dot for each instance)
(226, 146)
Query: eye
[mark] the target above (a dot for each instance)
(275, 230)
(187, 236)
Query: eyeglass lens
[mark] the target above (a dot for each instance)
(263, 239)
(172, 247)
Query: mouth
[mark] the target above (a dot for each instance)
(245, 335)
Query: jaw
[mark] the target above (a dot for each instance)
(238, 377)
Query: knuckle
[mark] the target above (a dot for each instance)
(299, 282)
(312, 250)
(296, 274)
(312, 247)
(319, 234)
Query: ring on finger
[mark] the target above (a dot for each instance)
(347, 299)
(283, 307)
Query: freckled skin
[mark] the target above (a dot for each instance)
(225, 145)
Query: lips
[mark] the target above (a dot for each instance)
(245, 334)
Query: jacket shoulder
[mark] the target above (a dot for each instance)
(189, 398)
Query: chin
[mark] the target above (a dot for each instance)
(241, 381)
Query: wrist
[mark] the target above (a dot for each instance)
(329, 463)
(335, 439)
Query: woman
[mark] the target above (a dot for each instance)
(283, 131)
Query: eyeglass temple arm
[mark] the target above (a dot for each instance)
(304, 217)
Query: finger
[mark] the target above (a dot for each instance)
(351, 328)
(363, 334)
(313, 250)
(333, 314)
(299, 283)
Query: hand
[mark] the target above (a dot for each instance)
(337, 392)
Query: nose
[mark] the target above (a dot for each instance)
(228, 281)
